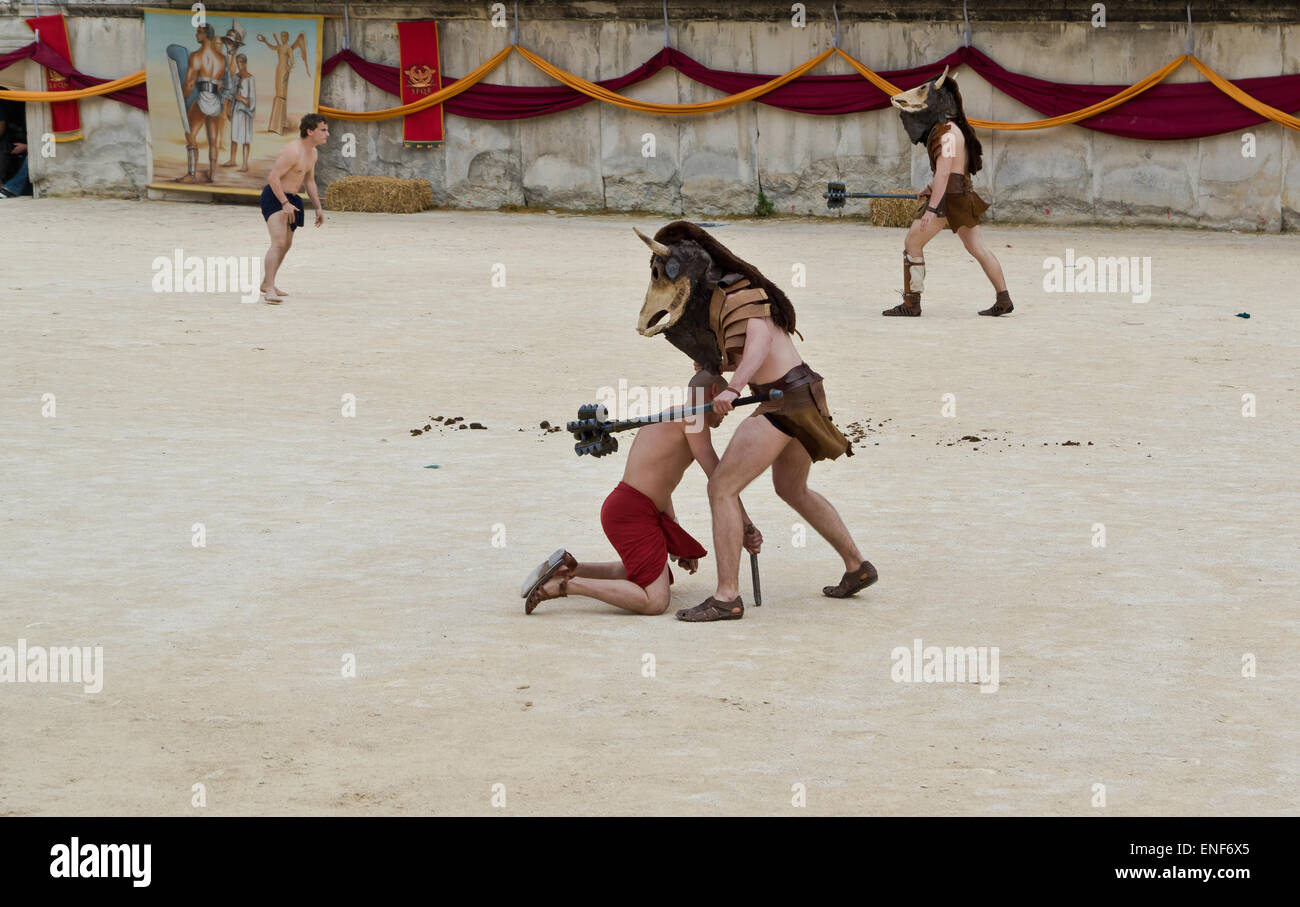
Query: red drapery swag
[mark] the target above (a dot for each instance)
(1166, 112)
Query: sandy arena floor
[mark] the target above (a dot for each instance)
(327, 535)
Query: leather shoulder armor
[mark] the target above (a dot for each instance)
(729, 312)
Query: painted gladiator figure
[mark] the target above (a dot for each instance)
(933, 115)
(203, 75)
(727, 317)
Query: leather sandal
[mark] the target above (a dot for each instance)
(854, 581)
(712, 609)
(910, 306)
(541, 595)
(561, 558)
(562, 563)
(1001, 306)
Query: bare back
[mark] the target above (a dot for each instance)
(205, 63)
(658, 460)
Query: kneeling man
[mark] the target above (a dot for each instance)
(639, 520)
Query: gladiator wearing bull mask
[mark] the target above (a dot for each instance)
(933, 115)
(727, 317)
(204, 74)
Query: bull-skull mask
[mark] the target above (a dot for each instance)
(925, 106)
(682, 278)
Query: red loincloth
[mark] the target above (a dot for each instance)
(642, 536)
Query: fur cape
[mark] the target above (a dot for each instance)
(682, 230)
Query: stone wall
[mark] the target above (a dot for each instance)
(591, 158)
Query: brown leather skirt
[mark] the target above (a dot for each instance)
(802, 413)
(960, 204)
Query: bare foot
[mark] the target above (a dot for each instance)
(243, 169)
(227, 163)
(280, 292)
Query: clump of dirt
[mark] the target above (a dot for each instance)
(857, 432)
(455, 423)
(546, 427)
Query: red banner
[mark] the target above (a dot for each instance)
(421, 76)
(65, 115)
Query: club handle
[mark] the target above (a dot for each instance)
(754, 398)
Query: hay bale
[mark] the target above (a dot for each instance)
(379, 194)
(893, 212)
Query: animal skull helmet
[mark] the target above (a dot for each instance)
(926, 105)
(682, 277)
(675, 272)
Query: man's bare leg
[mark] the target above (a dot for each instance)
(790, 479)
(230, 162)
(281, 239)
(754, 447)
(918, 237)
(214, 151)
(601, 570)
(973, 240)
(622, 593)
(244, 169)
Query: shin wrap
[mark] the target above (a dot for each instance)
(913, 275)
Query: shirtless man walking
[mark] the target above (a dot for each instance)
(281, 206)
(640, 522)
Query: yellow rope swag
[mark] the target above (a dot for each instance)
(592, 90)
(134, 79)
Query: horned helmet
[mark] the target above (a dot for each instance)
(682, 277)
(926, 105)
(686, 265)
